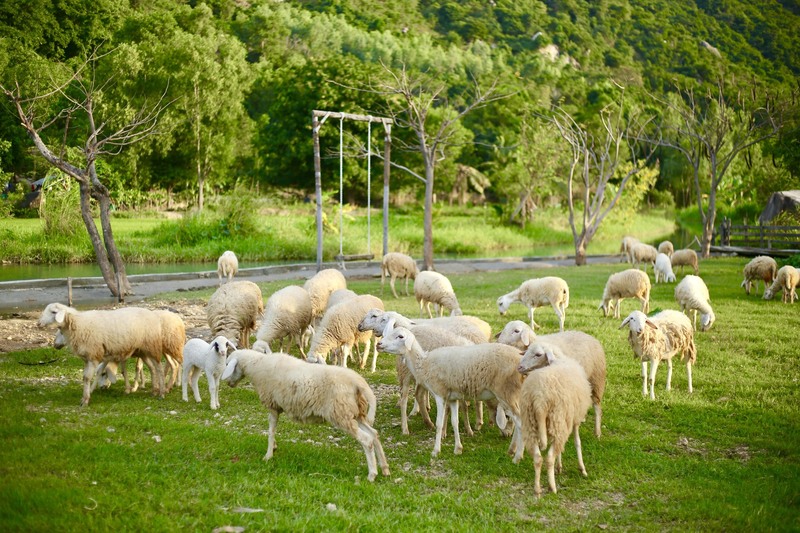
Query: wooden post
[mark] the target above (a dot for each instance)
(69, 292)
(387, 150)
(316, 125)
(120, 292)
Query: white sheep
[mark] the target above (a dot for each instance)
(643, 253)
(666, 247)
(233, 310)
(663, 269)
(631, 283)
(538, 292)
(173, 336)
(659, 338)
(626, 246)
(308, 393)
(200, 356)
(480, 371)
(685, 257)
(583, 348)
(320, 286)
(692, 296)
(470, 327)
(287, 316)
(787, 279)
(555, 399)
(397, 265)
(762, 268)
(227, 266)
(116, 335)
(434, 288)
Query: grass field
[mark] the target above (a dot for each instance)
(724, 458)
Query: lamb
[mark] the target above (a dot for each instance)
(763, 268)
(631, 283)
(626, 246)
(643, 253)
(537, 292)
(397, 265)
(665, 247)
(227, 266)
(555, 398)
(311, 392)
(692, 296)
(339, 328)
(481, 371)
(233, 310)
(787, 279)
(434, 288)
(116, 335)
(200, 356)
(320, 286)
(685, 257)
(581, 347)
(663, 269)
(659, 338)
(287, 316)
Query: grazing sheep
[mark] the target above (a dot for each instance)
(397, 265)
(480, 371)
(308, 393)
(555, 399)
(287, 316)
(200, 356)
(586, 350)
(114, 335)
(685, 257)
(631, 283)
(434, 288)
(643, 253)
(666, 248)
(663, 269)
(787, 279)
(537, 292)
(692, 296)
(659, 338)
(320, 286)
(761, 268)
(227, 266)
(233, 310)
(626, 247)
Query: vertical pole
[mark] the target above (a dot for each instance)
(120, 292)
(318, 186)
(369, 182)
(387, 150)
(341, 189)
(69, 292)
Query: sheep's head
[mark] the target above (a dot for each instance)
(747, 284)
(768, 294)
(456, 312)
(637, 321)
(516, 333)
(54, 313)
(607, 306)
(397, 341)
(706, 321)
(503, 303)
(671, 277)
(537, 355)
(221, 344)
(233, 372)
(374, 320)
(262, 346)
(316, 359)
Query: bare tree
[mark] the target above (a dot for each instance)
(79, 95)
(595, 162)
(715, 129)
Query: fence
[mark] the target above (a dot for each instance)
(766, 237)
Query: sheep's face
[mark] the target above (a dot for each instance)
(397, 342)
(503, 303)
(54, 313)
(374, 320)
(536, 356)
(747, 284)
(637, 321)
(768, 295)
(671, 277)
(607, 307)
(516, 333)
(262, 346)
(221, 344)
(706, 321)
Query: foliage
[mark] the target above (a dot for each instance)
(60, 208)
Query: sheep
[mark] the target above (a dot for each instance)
(397, 265)
(434, 288)
(233, 310)
(173, 336)
(339, 328)
(626, 246)
(787, 279)
(537, 292)
(320, 286)
(761, 268)
(555, 399)
(470, 327)
(585, 349)
(643, 253)
(663, 269)
(308, 393)
(631, 283)
(659, 338)
(665, 247)
(227, 266)
(116, 335)
(480, 371)
(200, 356)
(692, 296)
(685, 257)
(287, 315)
(338, 296)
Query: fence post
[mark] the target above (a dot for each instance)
(69, 292)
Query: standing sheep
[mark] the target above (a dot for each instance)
(787, 279)
(173, 336)
(434, 288)
(308, 393)
(659, 338)
(626, 246)
(631, 283)
(685, 257)
(761, 268)
(666, 248)
(287, 316)
(233, 310)
(537, 292)
(643, 253)
(320, 286)
(692, 296)
(397, 265)
(663, 269)
(200, 356)
(227, 266)
(555, 399)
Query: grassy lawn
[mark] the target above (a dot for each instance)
(724, 458)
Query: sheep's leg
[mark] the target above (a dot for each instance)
(454, 422)
(213, 389)
(407, 294)
(598, 413)
(365, 438)
(551, 474)
(98, 376)
(644, 378)
(579, 450)
(365, 355)
(617, 307)
(391, 283)
(404, 385)
(537, 467)
(689, 374)
(374, 356)
(464, 405)
(560, 314)
(422, 403)
(376, 446)
(195, 379)
(383, 279)
(187, 369)
(428, 307)
(273, 424)
(437, 443)
(534, 325)
(558, 463)
(346, 350)
(653, 370)
(478, 415)
(669, 374)
(89, 371)
(138, 375)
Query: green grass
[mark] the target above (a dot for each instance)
(724, 458)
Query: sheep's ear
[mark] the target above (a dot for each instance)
(232, 345)
(61, 315)
(551, 357)
(409, 341)
(525, 337)
(229, 368)
(388, 327)
(625, 322)
(651, 324)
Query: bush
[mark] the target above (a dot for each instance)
(60, 210)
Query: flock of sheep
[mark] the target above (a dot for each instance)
(538, 389)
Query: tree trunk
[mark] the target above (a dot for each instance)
(709, 219)
(427, 246)
(97, 244)
(580, 250)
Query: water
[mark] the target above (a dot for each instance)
(84, 270)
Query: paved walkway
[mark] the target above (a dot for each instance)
(29, 295)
